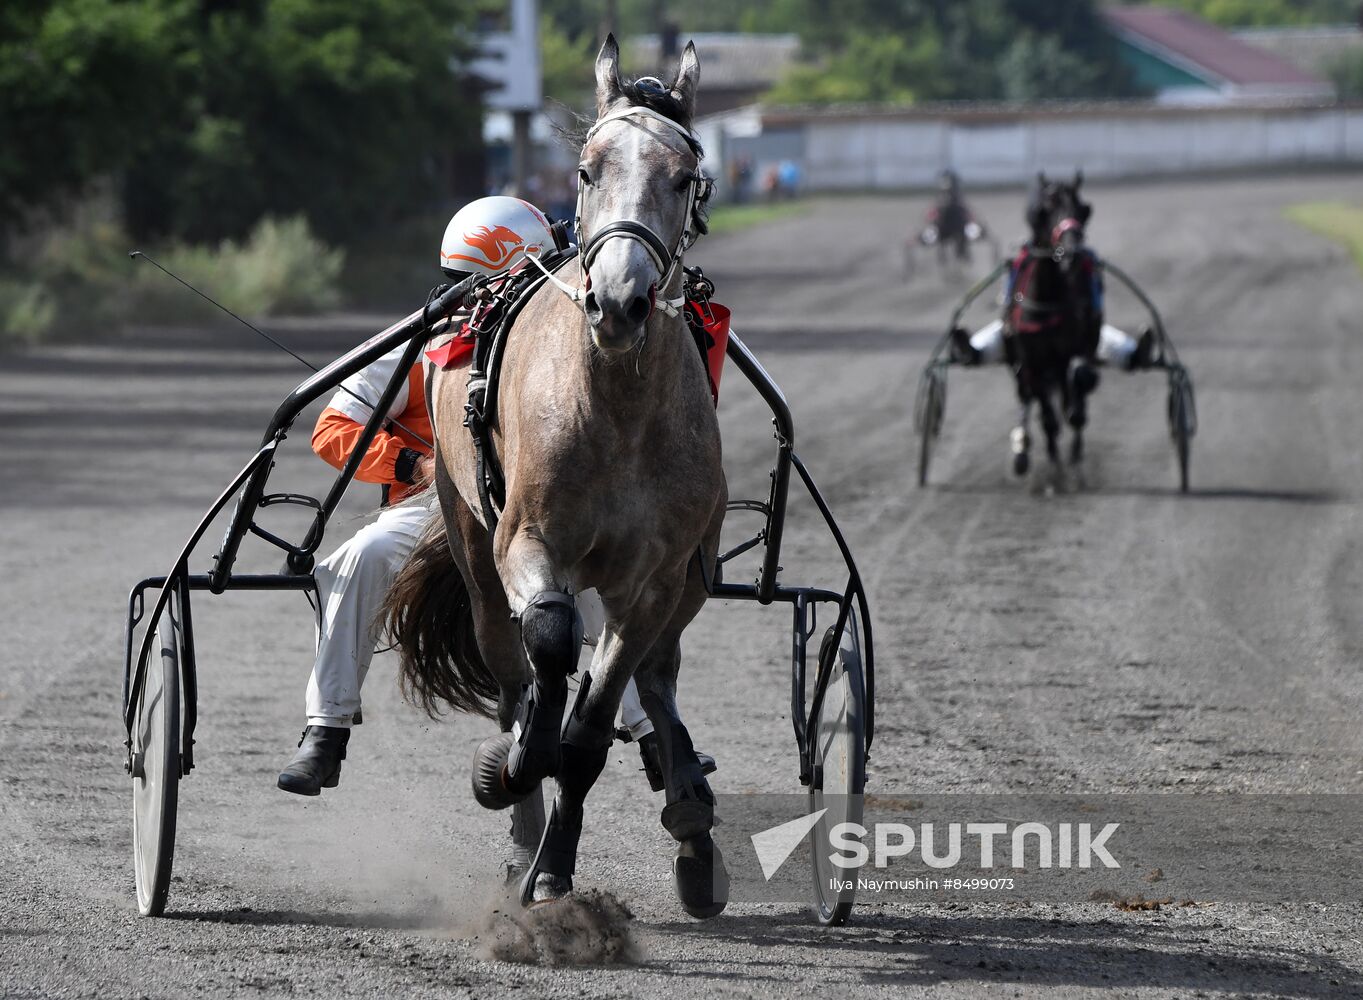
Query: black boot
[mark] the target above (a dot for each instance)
(317, 764)
(653, 761)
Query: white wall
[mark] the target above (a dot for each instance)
(893, 152)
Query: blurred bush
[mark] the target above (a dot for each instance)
(80, 279)
(27, 311)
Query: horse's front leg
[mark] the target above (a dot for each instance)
(1050, 423)
(1081, 380)
(698, 873)
(587, 735)
(1020, 440)
(538, 598)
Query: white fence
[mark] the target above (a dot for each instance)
(850, 151)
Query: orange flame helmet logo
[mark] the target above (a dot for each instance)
(497, 244)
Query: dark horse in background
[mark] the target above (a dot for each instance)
(1052, 320)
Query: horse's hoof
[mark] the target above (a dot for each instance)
(489, 770)
(700, 878)
(1021, 463)
(541, 887)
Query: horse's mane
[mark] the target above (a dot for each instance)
(663, 102)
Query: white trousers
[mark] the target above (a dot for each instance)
(1115, 346)
(351, 585)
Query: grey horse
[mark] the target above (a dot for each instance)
(606, 432)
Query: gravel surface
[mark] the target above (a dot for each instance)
(1115, 637)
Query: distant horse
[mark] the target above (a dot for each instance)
(606, 434)
(1052, 319)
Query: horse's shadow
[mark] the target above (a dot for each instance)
(894, 950)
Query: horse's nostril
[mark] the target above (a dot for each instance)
(638, 310)
(592, 306)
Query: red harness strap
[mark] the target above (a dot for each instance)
(709, 323)
(455, 353)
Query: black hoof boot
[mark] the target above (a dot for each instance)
(317, 764)
(700, 878)
(651, 754)
(489, 773)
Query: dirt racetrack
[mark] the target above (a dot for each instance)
(1116, 638)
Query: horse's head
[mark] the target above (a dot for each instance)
(641, 196)
(1058, 216)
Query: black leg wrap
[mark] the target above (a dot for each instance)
(551, 631)
(690, 809)
(584, 748)
(535, 754)
(583, 756)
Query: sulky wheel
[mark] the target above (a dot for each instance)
(156, 764)
(838, 749)
(1182, 422)
(930, 408)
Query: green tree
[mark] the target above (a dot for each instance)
(871, 67)
(952, 49)
(81, 82)
(1346, 73)
(348, 111)
(211, 114)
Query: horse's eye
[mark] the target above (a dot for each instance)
(685, 183)
(583, 176)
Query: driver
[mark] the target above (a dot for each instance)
(489, 237)
(950, 215)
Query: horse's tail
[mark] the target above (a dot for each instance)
(428, 615)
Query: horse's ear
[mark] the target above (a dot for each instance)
(688, 79)
(607, 75)
(1078, 178)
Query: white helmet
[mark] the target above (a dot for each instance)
(489, 235)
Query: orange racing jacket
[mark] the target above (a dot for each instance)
(393, 456)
